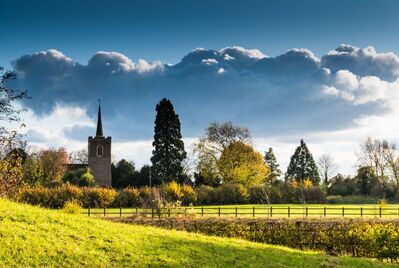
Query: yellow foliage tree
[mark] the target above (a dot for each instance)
(240, 163)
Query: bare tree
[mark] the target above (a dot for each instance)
(327, 168)
(79, 157)
(374, 153)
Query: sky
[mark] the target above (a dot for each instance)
(324, 71)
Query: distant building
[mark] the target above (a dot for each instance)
(99, 155)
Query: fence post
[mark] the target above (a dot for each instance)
(236, 212)
(219, 211)
(120, 212)
(289, 212)
(380, 212)
(169, 212)
(104, 211)
(137, 210)
(361, 212)
(325, 212)
(152, 212)
(343, 211)
(202, 211)
(253, 212)
(307, 213)
(88, 212)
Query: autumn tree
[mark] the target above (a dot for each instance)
(10, 160)
(240, 163)
(302, 166)
(217, 137)
(53, 163)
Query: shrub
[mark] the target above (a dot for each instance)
(148, 197)
(206, 195)
(189, 196)
(172, 192)
(98, 197)
(128, 197)
(80, 177)
(72, 207)
(50, 197)
(359, 238)
(60, 195)
(231, 194)
(351, 199)
(264, 195)
(38, 196)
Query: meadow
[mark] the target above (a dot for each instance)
(36, 237)
(265, 211)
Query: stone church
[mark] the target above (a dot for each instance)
(99, 154)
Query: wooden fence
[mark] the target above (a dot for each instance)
(266, 212)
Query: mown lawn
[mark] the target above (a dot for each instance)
(35, 237)
(265, 211)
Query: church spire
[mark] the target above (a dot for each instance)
(99, 132)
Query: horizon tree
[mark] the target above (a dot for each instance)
(271, 162)
(168, 154)
(327, 168)
(217, 137)
(241, 163)
(302, 166)
(11, 162)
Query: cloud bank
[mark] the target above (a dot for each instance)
(290, 96)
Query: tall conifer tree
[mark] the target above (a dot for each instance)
(168, 153)
(271, 162)
(302, 166)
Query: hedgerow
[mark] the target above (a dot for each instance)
(359, 238)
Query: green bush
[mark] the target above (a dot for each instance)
(351, 199)
(128, 197)
(206, 195)
(359, 238)
(98, 197)
(80, 177)
(231, 194)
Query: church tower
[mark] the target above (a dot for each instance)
(100, 154)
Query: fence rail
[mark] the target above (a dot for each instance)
(266, 212)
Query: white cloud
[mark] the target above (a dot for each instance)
(209, 61)
(346, 80)
(252, 53)
(228, 57)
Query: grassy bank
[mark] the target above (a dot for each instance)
(30, 236)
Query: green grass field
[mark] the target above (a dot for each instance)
(36, 237)
(273, 211)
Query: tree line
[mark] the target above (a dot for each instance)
(224, 154)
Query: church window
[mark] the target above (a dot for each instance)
(99, 151)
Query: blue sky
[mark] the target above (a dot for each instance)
(326, 71)
(165, 30)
